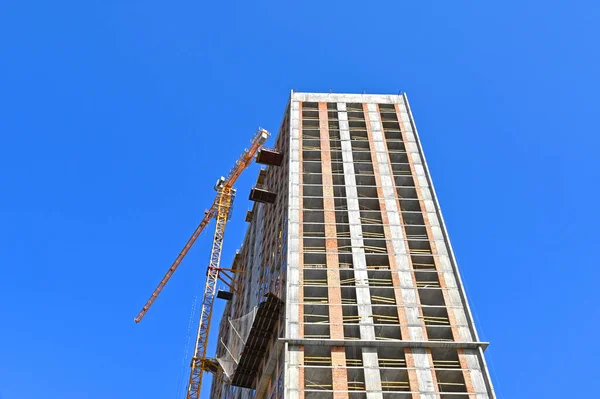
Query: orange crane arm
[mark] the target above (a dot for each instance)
(209, 214)
(241, 164)
(244, 160)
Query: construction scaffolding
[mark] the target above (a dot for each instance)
(247, 341)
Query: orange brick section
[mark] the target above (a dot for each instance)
(413, 382)
(339, 372)
(300, 233)
(387, 233)
(465, 370)
(333, 276)
(338, 358)
(434, 252)
(436, 387)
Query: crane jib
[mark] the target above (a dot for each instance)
(219, 210)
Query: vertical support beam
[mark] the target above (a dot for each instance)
(452, 297)
(413, 380)
(294, 358)
(339, 372)
(420, 358)
(400, 264)
(413, 312)
(466, 366)
(300, 227)
(331, 247)
(458, 309)
(472, 366)
(487, 380)
(338, 355)
(451, 272)
(425, 374)
(363, 295)
(301, 258)
(431, 222)
(301, 372)
(433, 374)
(294, 381)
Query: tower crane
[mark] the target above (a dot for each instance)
(221, 211)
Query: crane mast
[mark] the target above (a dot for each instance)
(221, 211)
(212, 275)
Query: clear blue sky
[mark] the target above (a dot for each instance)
(116, 118)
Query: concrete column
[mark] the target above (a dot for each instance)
(338, 355)
(421, 373)
(331, 247)
(425, 375)
(293, 289)
(294, 220)
(477, 377)
(463, 329)
(402, 278)
(416, 329)
(294, 374)
(472, 370)
(363, 295)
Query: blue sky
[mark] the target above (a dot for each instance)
(118, 116)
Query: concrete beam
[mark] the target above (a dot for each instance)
(387, 343)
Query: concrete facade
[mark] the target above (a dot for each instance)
(356, 247)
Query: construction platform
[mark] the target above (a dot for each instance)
(254, 350)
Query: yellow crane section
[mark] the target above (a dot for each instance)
(225, 195)
(220, 210)
(240, 165)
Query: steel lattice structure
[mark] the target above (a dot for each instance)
(221, 211)
(226, 195)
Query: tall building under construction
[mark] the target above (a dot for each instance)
(348, 286)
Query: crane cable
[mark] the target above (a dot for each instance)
(182, 380)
